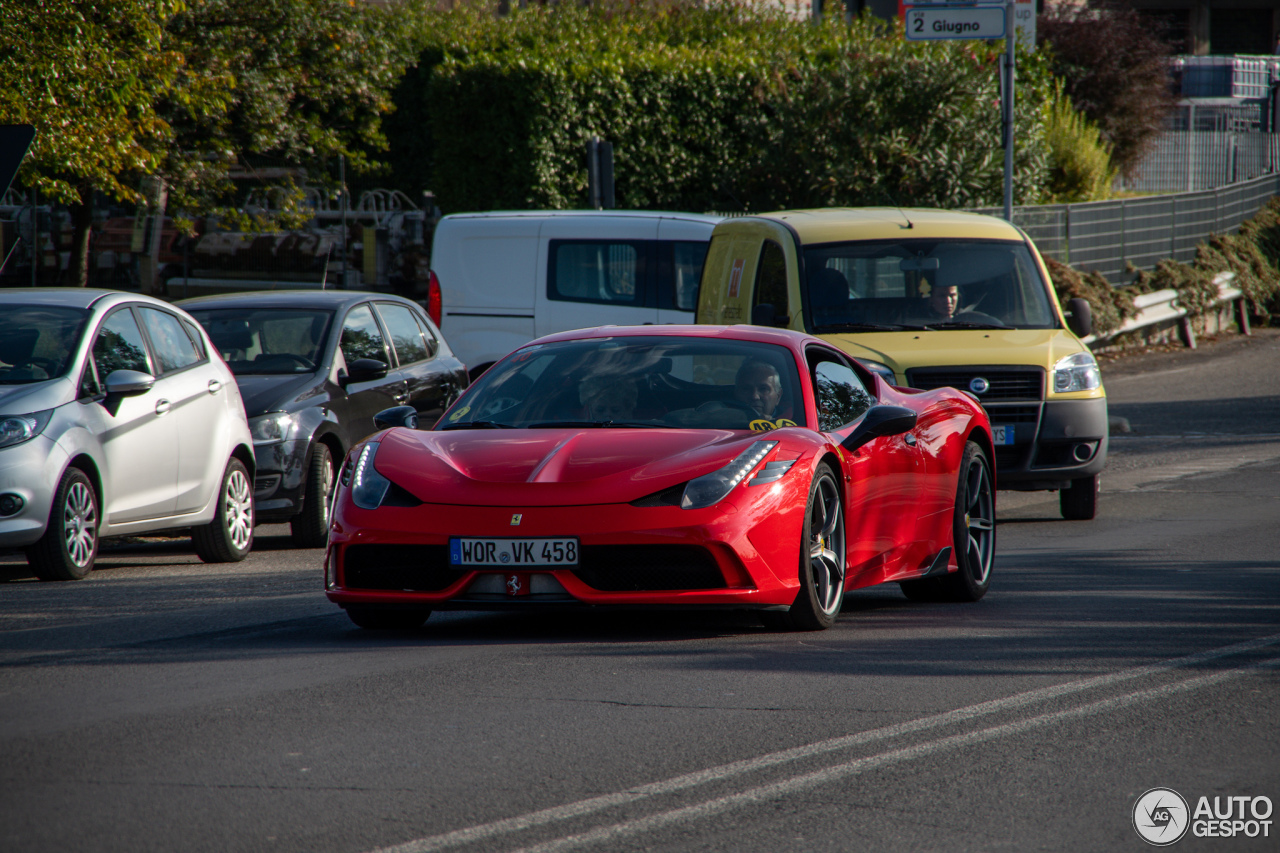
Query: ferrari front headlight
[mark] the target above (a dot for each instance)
(368, 487)
(1077, 372)
(712, 488)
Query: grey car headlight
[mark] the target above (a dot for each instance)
(368, 487)
(712, 488)
(1077, 372)
(15, 429)
(274, 428)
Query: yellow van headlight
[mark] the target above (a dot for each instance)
(1077, 372)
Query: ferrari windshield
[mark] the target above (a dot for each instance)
(652, 381)
(37, 342)
(266, 340)
(882, 285)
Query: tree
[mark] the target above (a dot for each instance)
(123, 89)
(1115, 70)
(307, 80)
(87, 75)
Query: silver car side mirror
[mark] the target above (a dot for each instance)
(129, 383)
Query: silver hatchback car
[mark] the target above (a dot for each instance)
(117, 416)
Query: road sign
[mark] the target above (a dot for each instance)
(930, 23)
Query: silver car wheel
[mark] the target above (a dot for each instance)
(239, 509)
(80, 524)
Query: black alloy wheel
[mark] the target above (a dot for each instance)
(310, 528)
(973, 536)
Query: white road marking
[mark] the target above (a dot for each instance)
(543, 817)
(840, 771)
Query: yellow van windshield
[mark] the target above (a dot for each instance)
(916, 284)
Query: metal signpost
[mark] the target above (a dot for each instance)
(935, 22)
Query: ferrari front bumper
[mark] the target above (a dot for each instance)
(628, 556)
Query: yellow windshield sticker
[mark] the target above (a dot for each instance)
(764, 424)
(455, 415)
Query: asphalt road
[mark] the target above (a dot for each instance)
(167, 705)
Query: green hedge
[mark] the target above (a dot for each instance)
(718, 108)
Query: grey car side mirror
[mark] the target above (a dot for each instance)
(128, 383)
(880, 421)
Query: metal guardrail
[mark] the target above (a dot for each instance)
(1157, 308)
(1107, 236)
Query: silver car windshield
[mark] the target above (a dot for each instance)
(267, 340)
(914, 284)
(672, 382)
(37, 342)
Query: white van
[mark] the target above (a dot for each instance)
(506, 278)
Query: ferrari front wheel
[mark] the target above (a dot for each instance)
(822, 560)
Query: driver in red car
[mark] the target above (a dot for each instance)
(758, 385)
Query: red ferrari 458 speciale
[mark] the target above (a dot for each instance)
(668, 466)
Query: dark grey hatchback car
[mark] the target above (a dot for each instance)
(314, 367)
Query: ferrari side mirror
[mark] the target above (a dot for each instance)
(880, 421)
(397, 416)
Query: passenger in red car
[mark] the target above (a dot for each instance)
(608, 398)
(759, 386)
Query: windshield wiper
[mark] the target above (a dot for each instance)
(862, 327)
(873, 327)
(961, 324)
(478, 425)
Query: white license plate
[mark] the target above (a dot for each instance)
(510, 553)
(1002, 434)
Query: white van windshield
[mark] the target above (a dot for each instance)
(924, 284)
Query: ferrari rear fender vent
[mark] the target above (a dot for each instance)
(642, 568)
(419, 568)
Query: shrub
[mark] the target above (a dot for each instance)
(1079, 160)
(725, 107)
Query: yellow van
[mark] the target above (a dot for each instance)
(928, 298)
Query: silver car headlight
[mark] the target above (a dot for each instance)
(712, 488)
(15, 429)
(368, 487)
(274, 428)
(1077, 372)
